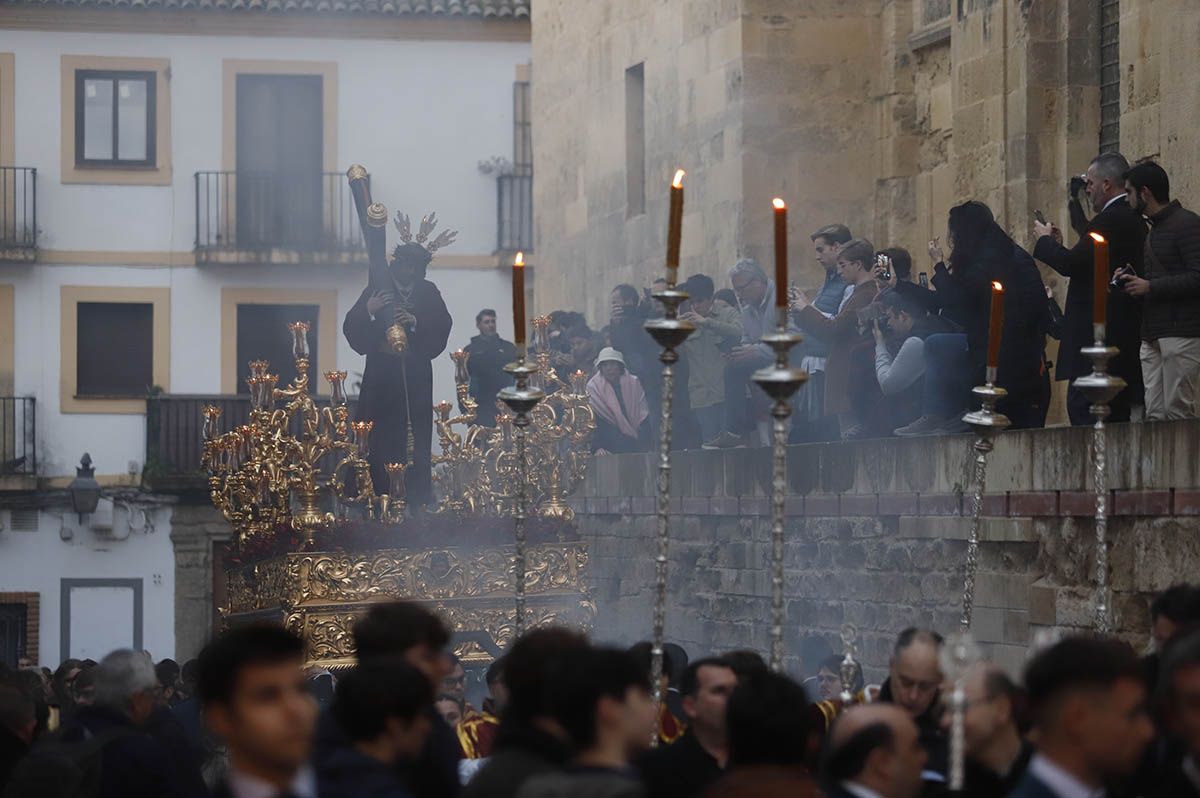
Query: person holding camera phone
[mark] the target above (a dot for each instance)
(1122, 227)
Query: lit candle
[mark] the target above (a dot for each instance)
(675, 228)
(781, 262)
(518, 288)
(995, 328)
(1100, 289)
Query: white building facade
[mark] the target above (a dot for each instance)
(172, 190)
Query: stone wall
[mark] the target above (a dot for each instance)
(876, 535)
(195, 528)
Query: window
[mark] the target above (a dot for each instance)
(515, 199)
(635, 140)
(114, 118)
(934, 11)
(114, 349)
(262, 334)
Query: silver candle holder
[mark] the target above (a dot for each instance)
(669, 332)
(780, 382)
(1100, 387)
(850, 669)
(958, 656)
(987, 423)
(521, 399)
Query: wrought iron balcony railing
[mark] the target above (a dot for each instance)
(18, 437)
(18, 213)
(246, 217)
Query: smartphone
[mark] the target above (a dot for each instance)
(923, 279)
(1039, 216)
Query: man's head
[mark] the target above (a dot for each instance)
(901, 262)
(700, 288)
(251, 685)
(582, 343)
(1105, 178)
(485, 322)
(408, 630)
(386, 705)
(126, 682)
(767, 721)
(451, 709)
(826, 243)
(1147, 186)
(877, 746)
(829, 678)
(529, 665)
(167, 673)
(17, 712)
(497, 687)
(1089, 704)
(1173, 610)
(1179, 690)
(991, 699)
(915, 675)
(624, 299)
(454, 683)
(705, 687)
(749, 282)
(855, 261)
(601, 698)
(409, 263)
(901, 312)
(643, 653)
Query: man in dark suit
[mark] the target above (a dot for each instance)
(1125, 231)
(997, 756)
(252, 687)
(1179, 698)
(1089, 707)
(874, 752)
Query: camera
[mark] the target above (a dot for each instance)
(883, 267)
(871, 313)
(1078, 183)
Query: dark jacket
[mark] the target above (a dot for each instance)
(164, 727)
(1172, 265)
(583, 782)
(843, 333)
(349, 773)
(680, 770)
(489, 355)
(1125, 231)
(434, 774)
(12, 751)
(982, 782)
(929, 729)
(1030, 786)
(520, 753)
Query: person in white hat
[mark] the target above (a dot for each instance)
(619, 404)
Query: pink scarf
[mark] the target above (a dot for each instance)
(604, 402)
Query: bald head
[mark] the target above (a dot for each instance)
(877, 746)
(915, 674)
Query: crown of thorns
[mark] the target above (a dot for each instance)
(428, 224)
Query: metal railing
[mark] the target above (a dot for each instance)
(174, 440)
(259, 214)
(18, 208)
(18, 436)
(514, 210)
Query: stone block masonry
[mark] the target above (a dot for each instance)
(876, 536)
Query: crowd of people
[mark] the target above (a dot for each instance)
(567, 718)
(892, 348)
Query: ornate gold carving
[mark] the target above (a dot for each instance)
(357, 172)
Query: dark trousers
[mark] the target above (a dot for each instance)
(739, 418)
(947, 375)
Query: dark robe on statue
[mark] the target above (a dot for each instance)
(382, 396)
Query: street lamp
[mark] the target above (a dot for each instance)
(84, 489)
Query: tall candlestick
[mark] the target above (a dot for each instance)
(675, 228)
(518, 291)
(995, 327)
(781, 259)
(1100, 289)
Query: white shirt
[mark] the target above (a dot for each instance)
(1117, 198)
(858, 790)
(1060, 782)
(243, 785)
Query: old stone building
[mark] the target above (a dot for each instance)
(879, 113)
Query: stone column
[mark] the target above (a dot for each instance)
(194, 530)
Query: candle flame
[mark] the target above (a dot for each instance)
(779, 203)
(1099, 239)
(678, 181)
(519, 261)
(997, 286)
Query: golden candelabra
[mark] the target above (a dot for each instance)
(267, 474)
(478, 469)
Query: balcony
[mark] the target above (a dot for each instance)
(174, 440)
(514, 204)
(248, 218)
(18, 214)
(18, 443)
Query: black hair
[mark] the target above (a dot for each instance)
(415, 254)
(528, 666)
(976, 237)
(369, 695)
(1078, 663)
(1180, 654)
(643, 652)
(833, 233)
(485, 312)
(745, 662)
(699, 286)
(727, 296)
(221, 661)
(1178, 603)
(583, 677)
(834, 663)
(628, 293)
(495, 672)
(17, 707)
(167, 673)
(1148, 174)
(901, 262)
(689, 683)
(454, 658)
(391, 629)
(844, 762)
(914, 635)
(898, 302)
(767, 721)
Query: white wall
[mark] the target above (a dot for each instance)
(38, 561)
